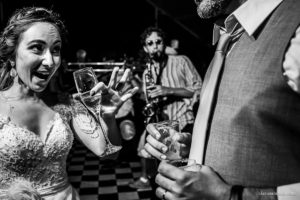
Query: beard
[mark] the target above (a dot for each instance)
(211, 8)
(156, 56)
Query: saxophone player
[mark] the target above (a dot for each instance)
(171, 83)
(176, 81)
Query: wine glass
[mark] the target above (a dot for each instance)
(85, 79)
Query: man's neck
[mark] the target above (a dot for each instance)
(233, 5)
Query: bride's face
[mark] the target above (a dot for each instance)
(38, 55)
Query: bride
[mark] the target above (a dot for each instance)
(35, 138)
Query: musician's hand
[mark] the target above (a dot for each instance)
(113, 94)
(158, 90)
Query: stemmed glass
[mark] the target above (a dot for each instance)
(85, 79)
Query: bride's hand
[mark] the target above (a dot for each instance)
(112, 95)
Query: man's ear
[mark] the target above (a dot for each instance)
(146, 49)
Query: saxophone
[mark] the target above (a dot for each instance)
(151, 108)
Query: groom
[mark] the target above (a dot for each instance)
(251, 146)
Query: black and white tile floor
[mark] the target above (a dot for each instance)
(104, 179)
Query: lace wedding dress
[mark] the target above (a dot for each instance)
(32, 167)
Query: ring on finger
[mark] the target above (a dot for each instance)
(164, 195)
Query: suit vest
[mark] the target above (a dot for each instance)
(254, 133)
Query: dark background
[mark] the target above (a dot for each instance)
(111, 28)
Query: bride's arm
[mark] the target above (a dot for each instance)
(89, 131)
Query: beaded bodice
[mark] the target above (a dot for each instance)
(23, 154)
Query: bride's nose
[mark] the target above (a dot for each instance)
(48, 59)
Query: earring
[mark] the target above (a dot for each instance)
(12, 63)
(13, 73)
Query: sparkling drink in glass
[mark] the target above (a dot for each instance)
(92, 102)
(85, 79)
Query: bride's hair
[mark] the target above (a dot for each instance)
(20, 21)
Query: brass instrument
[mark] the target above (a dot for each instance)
(103, 66)
(151, 109)
(97, 66)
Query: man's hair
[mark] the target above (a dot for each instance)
(148, 31)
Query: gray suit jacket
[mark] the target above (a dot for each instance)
(254, 131)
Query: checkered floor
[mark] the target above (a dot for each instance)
(103, 179)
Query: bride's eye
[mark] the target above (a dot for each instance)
(56, 50)
(197, 1)
(37, 48)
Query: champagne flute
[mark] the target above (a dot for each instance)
(85, 79)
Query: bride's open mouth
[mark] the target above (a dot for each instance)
(44, 75)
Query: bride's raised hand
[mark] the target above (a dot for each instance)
(112, 95)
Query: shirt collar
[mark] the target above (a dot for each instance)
(250, 15)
